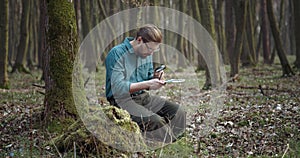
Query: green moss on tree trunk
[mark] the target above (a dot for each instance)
(63, 46)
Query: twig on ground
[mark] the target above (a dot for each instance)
(287, 148)
(39, 86)
(74, 149)
(54, 145)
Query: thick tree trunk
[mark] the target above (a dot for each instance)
(60, 109)
(297, 31)
(286, 69)
(24, 40)
(3, 43)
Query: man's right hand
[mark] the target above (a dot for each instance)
(155, 84)
(152, 84)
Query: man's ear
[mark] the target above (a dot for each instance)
(139, 39)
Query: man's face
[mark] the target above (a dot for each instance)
(148, 49)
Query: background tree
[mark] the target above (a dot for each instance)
(240, 22)
(220, 28)
(42, 34)
(24, 39)
(249, 55)
(286, 68)
(265, 32)
(229, 28)
(207, 20)
(14, 29)
(85, 17)
(3, 43)
(62, 41)
(297, 31)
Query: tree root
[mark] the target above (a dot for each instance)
(87, 143)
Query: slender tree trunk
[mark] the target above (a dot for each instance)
(31, 32)
(180, 39)
(3, 43)
(42, 37)
(36, 31)
(229, 27)
(240, 22)
(220, 29)
(62, 40)
(282, 30)
(85, 20)
(292, 34)
(297, 31)
(12, 30)
(250, 33)
(42, 34)
(286, 69)
(207, 19)
(265, 33)
(259, 42)
(196, 14)
(78, 18)
(24, 40)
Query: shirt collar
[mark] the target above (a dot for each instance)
(128, 45)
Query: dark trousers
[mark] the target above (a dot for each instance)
(158, 119)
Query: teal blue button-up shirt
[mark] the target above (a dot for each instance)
(124, 67)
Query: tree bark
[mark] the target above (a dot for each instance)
(3, 43)
(207, 20)
(62, 39)
(286, 69)
(42, 34)
(220, 29)
(180, 39)
(229, 28)
(265, 33)
(240, 22)
(250, 34)
(85, 20)
(197, 16)
(297, 31)
(30, 58)
(13, 31)
(24, 40)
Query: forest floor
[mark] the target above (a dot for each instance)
(258, 116)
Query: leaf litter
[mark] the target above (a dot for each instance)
(260, 116)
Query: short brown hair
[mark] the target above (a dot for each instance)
(149, 33)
